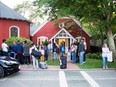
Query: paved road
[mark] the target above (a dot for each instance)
(66, 78)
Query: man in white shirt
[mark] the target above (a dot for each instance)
(4, 48)
(34, 60)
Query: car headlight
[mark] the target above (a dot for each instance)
(6, 62)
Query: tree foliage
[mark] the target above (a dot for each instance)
(27, 9)
(99, 13)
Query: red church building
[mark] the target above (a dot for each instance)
(12, 24)
(67, 30)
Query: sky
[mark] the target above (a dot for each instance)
(12, 3)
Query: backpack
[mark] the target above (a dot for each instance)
(54, 49)
(62, 49)
(36, 53)
(43, 65)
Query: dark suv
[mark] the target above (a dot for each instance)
(8, 65)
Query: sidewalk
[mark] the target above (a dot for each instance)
(70, 66)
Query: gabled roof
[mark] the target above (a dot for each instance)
(82, 27)
(35, 29)
(8, 13)
(49, 28)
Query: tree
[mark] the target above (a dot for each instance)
(100, 12)
(28, 10)
(95, 11)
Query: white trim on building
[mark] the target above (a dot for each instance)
(66, 35)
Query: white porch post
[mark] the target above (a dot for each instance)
(70, 41)
(40, 41)
(54, 40)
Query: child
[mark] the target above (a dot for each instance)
(42, 52)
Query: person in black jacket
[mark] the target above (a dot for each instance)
(81, 51)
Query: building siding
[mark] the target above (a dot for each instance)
(5, 24)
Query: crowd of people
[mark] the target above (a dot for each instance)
(50, 52)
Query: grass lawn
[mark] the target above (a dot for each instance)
(54, 63)
(95, 63)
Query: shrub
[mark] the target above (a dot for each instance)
(94, 56)
(88, 55)
(12, 39)
(99, 54)
(46, 42)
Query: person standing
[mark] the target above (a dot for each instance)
(26, 53)
(4, 48)
(85, 45)
(42, 52)
(105, 51)
(19, 51)
(62, 49)
(34, 60)
(50, 47)
(73, 53)
(55, 52)
(12, 49)
(46, 53)
(81, 50)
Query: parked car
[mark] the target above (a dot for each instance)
(8, 65)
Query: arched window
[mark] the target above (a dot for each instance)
(14, 31)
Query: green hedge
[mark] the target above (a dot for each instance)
(94, 55)
(12, 39)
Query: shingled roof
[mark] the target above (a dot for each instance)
(8, 13)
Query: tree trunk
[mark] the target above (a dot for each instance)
(111, 42)
(110, 37)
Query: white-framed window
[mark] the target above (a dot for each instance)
(41, 40)
(14, 31)
(78, 38)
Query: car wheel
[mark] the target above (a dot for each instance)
(1, 72)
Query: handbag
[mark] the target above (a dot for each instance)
(36, 53)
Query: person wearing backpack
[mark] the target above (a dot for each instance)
(34, 60)
(62, 49)
(55, 52)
